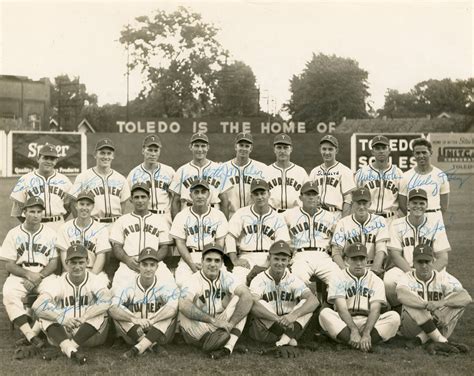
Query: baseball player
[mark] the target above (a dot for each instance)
(254, 229)
(284, 177)
(213, 306)
(135, 231)
(433, 301)
(195, 227)
(157, 175)
(145, 312)
(358, 298)
(110, 188)
(408, 232)
(283, 304)
(382, 179)
(48, 184)
(427, 177)
(30, 254)
(335, 181)
(362, 227)
(72, 308)
(199, 168)
(239, 173)
(94, 236)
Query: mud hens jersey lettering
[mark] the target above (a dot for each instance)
(285, 185)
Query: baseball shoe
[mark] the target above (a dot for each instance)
(78, 357)
(159, 351)
(131, 353)
(37, 342)
(26, 352)
(51, 353)
(22, 342)
(413, 343)
(219, 354)
(460, 346)
(293, 342)
(240, 349)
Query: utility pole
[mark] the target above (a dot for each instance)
(128, 77)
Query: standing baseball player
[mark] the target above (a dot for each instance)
(427, 177)
(94, 236)
(135, 231)
(253, 229)
(199, 168)
(358, 298)
(194, 227)
(362, 227)
(433, 301)
(239, 173)
(145, 312)
(72, 308)
(284, 177)
(48, 184)
(157, 175)
(29, 251)
(213, 306)
(283, 304)
(335, 181)
(382, 179)
(408, 232)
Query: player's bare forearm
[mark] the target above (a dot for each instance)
(99, 263)
(441, 261)
(163, 252)
(50, 268)
(374, 315)
(410, 299)
(230, 245)
(15, 269)
(120, 313)
(102, 305)
(344, 314)
(119, 253)
(45, 308)
(402, 204)
(259, 311)
(175, 205)
(346, 209)
(309, 306)
(192, 312)
(378, 260)
(444, 202)
(399, 261)
(337, 257)
(168, 311)
(243, 306)
(458, 299)
(184, 253)
(224, 205)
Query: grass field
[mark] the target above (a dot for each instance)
(329, 359)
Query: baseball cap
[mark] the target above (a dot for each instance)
(148, 253)
(199, 137)
(142, 186)
(423, 252)
(282, 139)
(331, 139)
(76, 250)
(355, 250)
(34, 201)
(280, 247)
(244, 137)
(258, 184)
(152, 139)
(361, 194)
(86, 195)
(104, 143)
(49, 150)
(309, 186)
(199, 183)
(380, 140)
(417, 193)
(212, 247)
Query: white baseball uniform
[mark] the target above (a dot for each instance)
(285, 185)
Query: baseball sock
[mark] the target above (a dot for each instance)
(85, 332)
(430, 329)
(67, 347)
(143, 345)
(284, 340)
(22, 323)
(57, 333)
(296, 331)
(155, 335)
(234, 337)
(375, 336)
(344, 335)
(276, 329)
(133, 333)
(423, 337)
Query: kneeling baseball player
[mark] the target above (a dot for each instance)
(145, 312)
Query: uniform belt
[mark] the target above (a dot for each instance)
(329, 208)
(191, 204)
(192, 250)
(317, 249)
(254, 251)
(281, 210)
(54, 218)
(386, 214)
(106, 220)
(432, 210)
(157, 211)
(31, 264)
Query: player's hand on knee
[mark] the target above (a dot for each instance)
(366, 343)
(287, 321)
(71, 323)
(242, 263)
(223, 325)
(355, 339)
(133, 264)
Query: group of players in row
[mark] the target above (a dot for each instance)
(349, 232)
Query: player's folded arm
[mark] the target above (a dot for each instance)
(441, 259)
(409, 298)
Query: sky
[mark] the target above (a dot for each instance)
(399, 43)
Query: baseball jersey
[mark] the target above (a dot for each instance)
(94, 237)
(310, 231)
(158, 181)
(333, 183)
(383, 186)
(440, 285)
(29, 250)
(53, 190)
(237, 181)
(210, 296)
(349, 230)
(404, 236)
(434, 183)
(359, 292)
(285, 185)
(255, 232)
(109, 191)
(135, 232)
(145, 302)
(283, 296)
(199, 229)
(189, 172)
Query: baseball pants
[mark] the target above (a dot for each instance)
(253, 258)
(167, 327)
(13, 294)
(309, 263)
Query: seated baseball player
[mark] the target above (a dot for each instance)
(283, 304)
(94, 236)
(213, 306)
(72, 308)
(433, 301)
(195, 227)
(358, 298)
(145, 312)
(30, 256)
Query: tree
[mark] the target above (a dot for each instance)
(328, 89)
(399, 105)
(179, 55)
